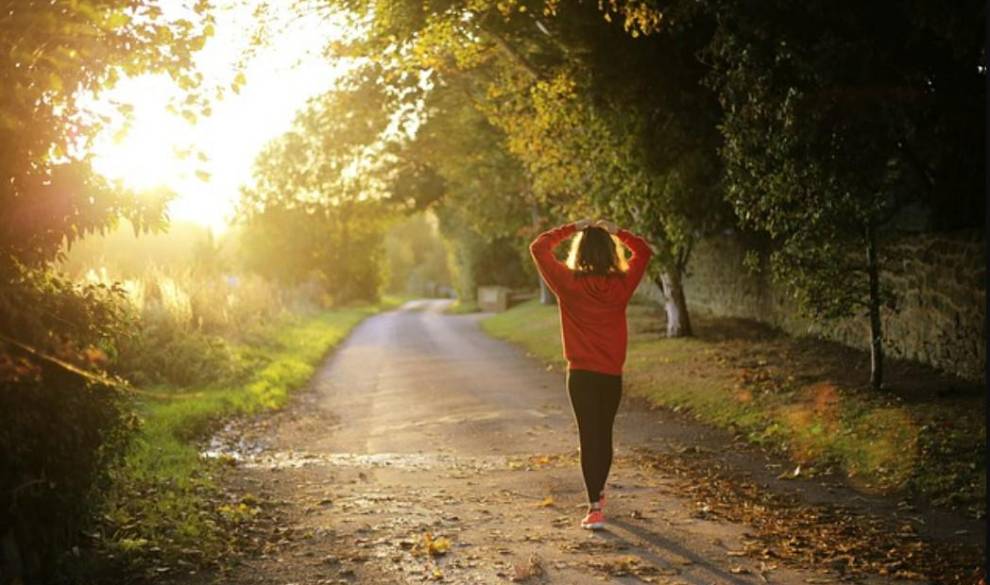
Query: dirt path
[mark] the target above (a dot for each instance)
(429, 451)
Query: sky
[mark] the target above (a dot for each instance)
(280, 77)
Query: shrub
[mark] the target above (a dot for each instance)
(59, 432)
(161, 353)
(61, 423)
(181, 324)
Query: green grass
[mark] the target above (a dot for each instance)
(802, 398)
(537, 328)
(461, 307)
(165, 500)
(531, 325)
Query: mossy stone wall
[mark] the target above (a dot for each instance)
(939, 280)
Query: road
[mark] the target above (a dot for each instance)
(420, 428)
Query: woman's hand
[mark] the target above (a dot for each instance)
(607, 225)
(582, 224)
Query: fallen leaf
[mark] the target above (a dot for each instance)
(438, 547)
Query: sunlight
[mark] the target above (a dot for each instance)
(146, 155)
(206, 162)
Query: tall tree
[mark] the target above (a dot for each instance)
(836, 118)
(596, 124)
(623, 125)
(485, 203)
(317, 210)
(417, 257)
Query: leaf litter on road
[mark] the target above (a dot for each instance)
(843, 541)
(627, 565)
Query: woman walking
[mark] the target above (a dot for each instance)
(593, 289)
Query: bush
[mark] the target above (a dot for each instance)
(59, 433)
(61, 424)
(64, 425)
(181, 324)
(159, 353)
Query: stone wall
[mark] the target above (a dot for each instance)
(940, 282)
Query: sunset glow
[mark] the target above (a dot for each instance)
(161, 148)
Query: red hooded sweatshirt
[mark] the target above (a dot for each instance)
(592, 308)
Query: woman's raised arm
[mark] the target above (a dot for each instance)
(553, 271)
(640, 258)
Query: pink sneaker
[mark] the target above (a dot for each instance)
(595, 520)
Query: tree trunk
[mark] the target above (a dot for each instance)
(876, 328)
(678, 320)
(467, 283)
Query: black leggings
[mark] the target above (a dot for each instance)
(595, 399)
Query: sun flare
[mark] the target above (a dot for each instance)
(148, 153)
(205, 163)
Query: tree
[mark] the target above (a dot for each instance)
(597, 126)
(835, 120)
(417, 257)
(485, 206)
(62, 423)
(623, 126)
(318, 210)
(51, 53)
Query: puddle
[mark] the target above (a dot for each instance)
(403, 461)
(254, 455)
(251, 450)
(228, 443)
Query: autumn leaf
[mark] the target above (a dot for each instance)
(95, 356)
(439, 547)
(434, 547)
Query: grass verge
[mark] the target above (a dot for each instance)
(805, 398)
(461, 307)
(165, 507)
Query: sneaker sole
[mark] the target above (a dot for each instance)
(593, 526)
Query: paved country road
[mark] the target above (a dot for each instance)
(421, 427)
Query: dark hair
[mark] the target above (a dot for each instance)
(595, 252)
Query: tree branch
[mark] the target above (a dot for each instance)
(511, 52)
